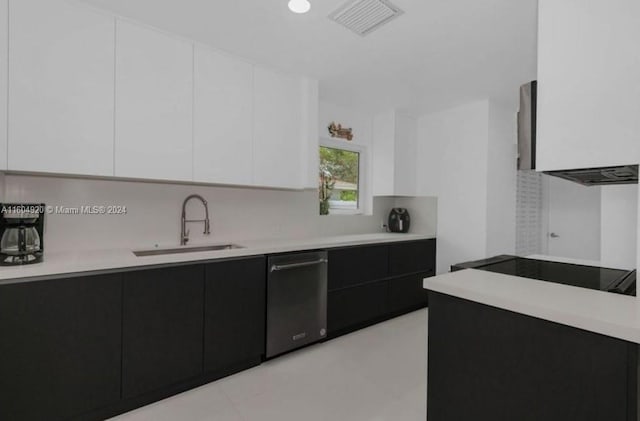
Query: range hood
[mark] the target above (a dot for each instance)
(527, 117)
(625, 174)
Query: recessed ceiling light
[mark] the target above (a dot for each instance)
(299, 6)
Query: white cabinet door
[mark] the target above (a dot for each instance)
(277, 130)
(154, 95)
(60, 88)
(223, 103)
(405, 156)
(310, 142)
(394, 154)
(384, 140)
(588, 84)
(4, 32)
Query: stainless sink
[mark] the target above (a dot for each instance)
(158, 252)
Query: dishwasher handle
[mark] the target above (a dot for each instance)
(298, 265)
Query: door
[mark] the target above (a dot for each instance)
(162, 328)
(573, 219)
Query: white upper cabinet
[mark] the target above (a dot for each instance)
(588, 83)
(223, 111)
(384, 139)
(154, 96)
(394, 154)
(4, 32)
(87, 93)
(405, 156)
(61, 60)
(310, 156)
(278, 130)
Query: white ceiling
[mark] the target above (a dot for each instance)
(438, 54)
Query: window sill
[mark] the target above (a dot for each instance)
(343, 212)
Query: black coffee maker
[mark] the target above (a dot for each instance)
(21, 233)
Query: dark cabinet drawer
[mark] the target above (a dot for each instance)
(406, 293)
(356, 265)
(234, 325)
(162, 328)
(353, 306)
(60, 343)
(412, 256)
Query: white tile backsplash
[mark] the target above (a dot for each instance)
(529, 213)
(153, 213)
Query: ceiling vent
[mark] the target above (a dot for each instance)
(365, 16)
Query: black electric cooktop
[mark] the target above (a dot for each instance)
(591, 277)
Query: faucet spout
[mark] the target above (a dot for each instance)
(184, 233)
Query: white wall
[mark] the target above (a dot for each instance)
(153, 215)
(362, 125)
(466, 158)
(619, 211)
(501, 181)
(452, 165)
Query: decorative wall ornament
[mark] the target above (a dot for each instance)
(336, 130)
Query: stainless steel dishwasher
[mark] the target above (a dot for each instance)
(296, 300)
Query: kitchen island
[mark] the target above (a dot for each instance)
(503, 347)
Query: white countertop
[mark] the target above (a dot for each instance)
(56, 263)
(601, 312)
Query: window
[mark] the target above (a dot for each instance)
(339, 179)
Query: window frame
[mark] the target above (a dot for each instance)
(361, 150)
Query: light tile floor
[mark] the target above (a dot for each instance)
(375, 374)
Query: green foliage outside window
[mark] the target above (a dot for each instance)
(349, 196)
(338, 167)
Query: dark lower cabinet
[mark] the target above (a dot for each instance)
(60, 343)
(90, 347)
(350, 266)
(162, 328)
(368, 284)
(491, 364)
(234, 324)
(412, 256)
(354, 307)
(406, 293)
